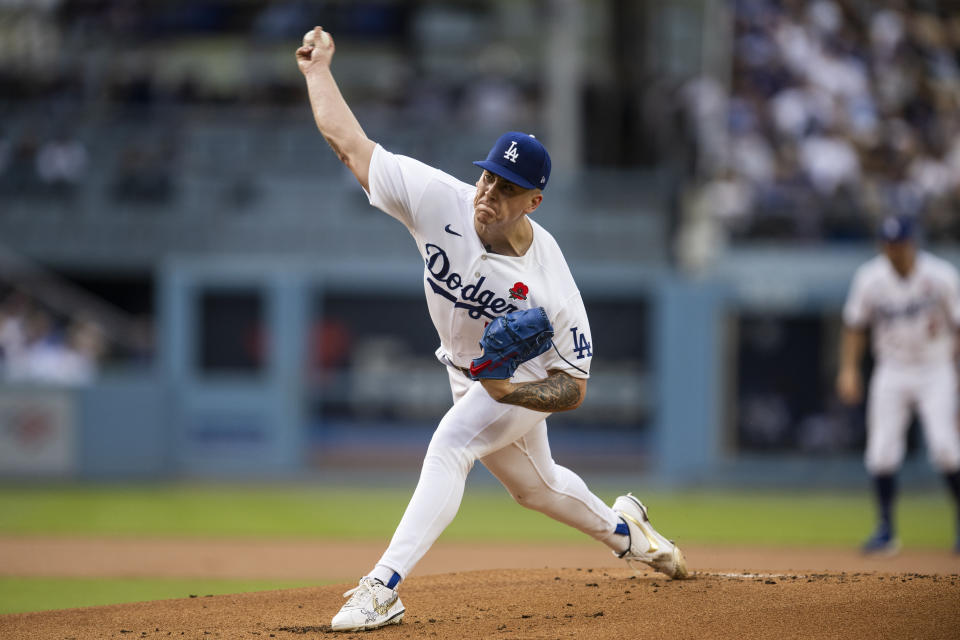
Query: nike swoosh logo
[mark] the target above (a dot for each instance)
(654, 547)
(383, 607)
(475, 370)
(451, 231)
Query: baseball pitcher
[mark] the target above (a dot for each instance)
(514, 338)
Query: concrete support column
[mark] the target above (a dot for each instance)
(562, 95)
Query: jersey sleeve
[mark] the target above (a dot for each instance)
(572, 340)
(953, 296)
(856, 311)
(397, 184)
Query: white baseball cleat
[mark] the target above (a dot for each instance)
(646, 545)
(371, 605)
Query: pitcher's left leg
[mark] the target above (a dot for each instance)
(527, 470)
(535, 481)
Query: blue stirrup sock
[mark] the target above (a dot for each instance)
(622, 530)
(953, 484)
(885, 488)
(386, 576)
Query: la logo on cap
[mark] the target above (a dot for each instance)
(518, 158)
(511, 153)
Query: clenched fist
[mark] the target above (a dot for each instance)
(317, 50)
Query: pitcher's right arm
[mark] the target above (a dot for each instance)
(333, 116)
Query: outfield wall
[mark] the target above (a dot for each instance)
(728, 382)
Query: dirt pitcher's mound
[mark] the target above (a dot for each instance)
(550, 603)
(326, 561)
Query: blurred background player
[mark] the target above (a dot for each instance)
(483, 258)
(910, 300)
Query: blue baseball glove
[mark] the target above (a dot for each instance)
(511, 340)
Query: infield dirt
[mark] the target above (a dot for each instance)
(741, 594)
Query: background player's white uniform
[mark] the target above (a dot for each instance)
(466, 287)
(914, 323)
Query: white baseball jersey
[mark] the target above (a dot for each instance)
(914, 319)
(467, 287)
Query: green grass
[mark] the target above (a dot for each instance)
(36, 594)
(800, 519)
(765, 518)
(487, 513)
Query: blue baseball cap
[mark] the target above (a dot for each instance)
(519, 158)
(896, 228)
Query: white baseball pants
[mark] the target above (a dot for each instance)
(894, 392)
(512, 443)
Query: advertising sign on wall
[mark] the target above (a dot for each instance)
(37, 432)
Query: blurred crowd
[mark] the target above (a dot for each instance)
(831, 114)
(55, 167)
(117, 82)
(152, 54)
(836, 113)
(38, 347)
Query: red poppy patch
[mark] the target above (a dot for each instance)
(519, 291)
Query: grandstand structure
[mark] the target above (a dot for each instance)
(161, 176)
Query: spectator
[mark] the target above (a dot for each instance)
(36, 335)
(830, 161)
(797, 109)
(855, 116)
(47, 357)
(21, 175)
(14, 311)
(143, 175)
(61, 164)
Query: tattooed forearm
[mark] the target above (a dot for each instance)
(558, 392)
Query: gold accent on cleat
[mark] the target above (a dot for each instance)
(382, 609)
(654, 547)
